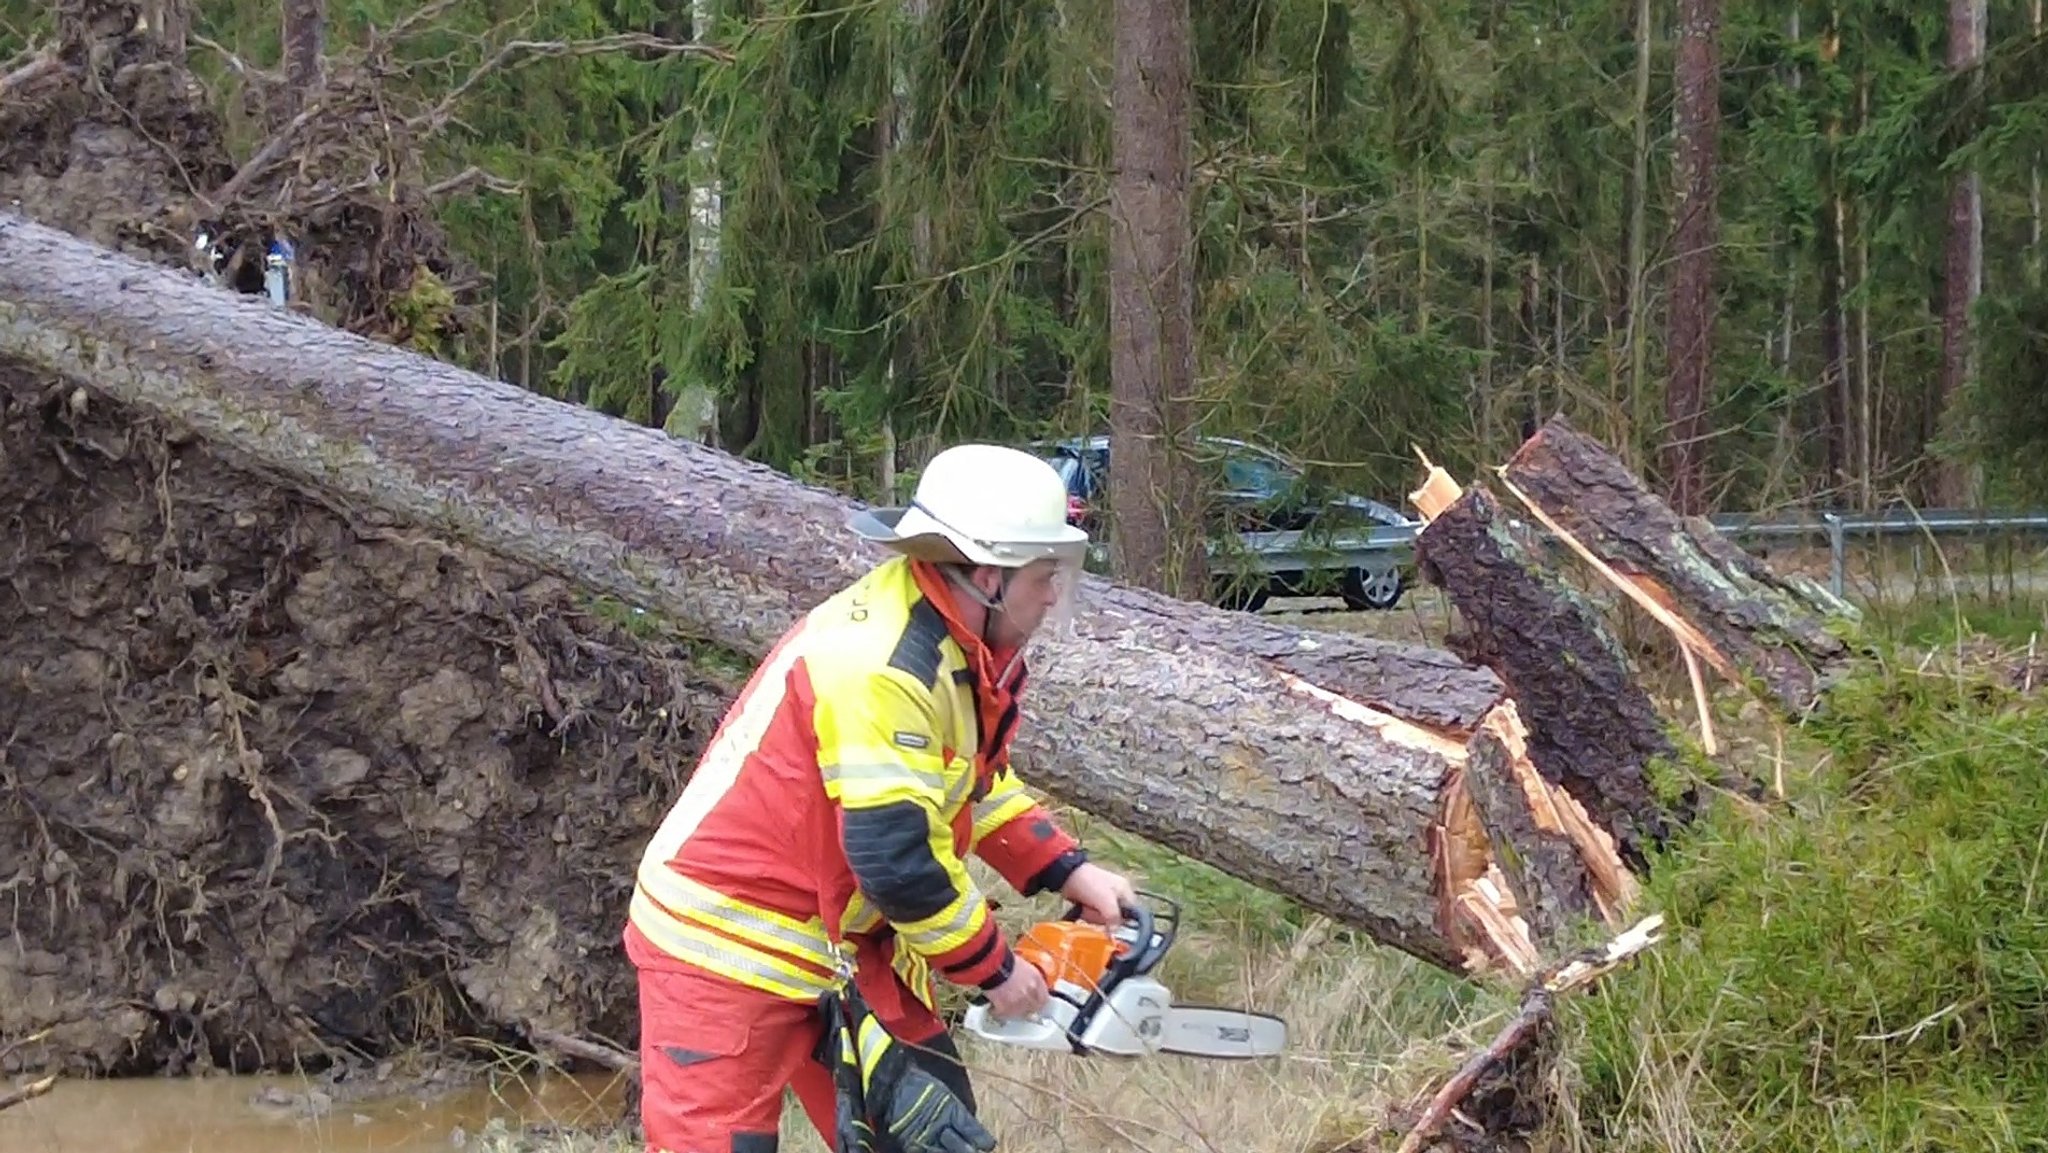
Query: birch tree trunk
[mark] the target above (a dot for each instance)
(694, 414)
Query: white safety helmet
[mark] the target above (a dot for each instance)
(986, 504)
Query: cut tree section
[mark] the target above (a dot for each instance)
(1720, 604)
(1591, 727)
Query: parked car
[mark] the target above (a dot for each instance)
(1273, 531)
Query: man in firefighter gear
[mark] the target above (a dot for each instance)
(832, 809)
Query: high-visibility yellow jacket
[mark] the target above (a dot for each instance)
(864, 758)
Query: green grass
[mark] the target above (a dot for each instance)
(1865, 968)
(1938, 622)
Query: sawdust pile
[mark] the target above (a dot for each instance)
(287, 785)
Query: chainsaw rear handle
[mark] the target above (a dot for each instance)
(1144, 955)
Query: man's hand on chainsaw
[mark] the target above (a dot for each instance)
(1021, 994)
(1102, 895)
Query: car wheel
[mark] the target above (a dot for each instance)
(1373, 590)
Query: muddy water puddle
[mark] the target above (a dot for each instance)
(296, 1115)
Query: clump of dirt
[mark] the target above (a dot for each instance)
(284, 785)
(114, 138)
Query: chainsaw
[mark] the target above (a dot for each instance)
(1105, 998)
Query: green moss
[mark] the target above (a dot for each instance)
(1670, 777)
(1865, 969)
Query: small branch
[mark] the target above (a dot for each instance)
(472, 177)
(421, 17)
(28, 1092)
(268, 155)
(47, 62)
(1576, 972)
(604, 1055)
(240, 66)
(8, 1049)
(540, 49)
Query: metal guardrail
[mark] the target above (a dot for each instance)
(1838, 527)
(1276, 552)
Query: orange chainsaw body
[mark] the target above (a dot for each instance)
(1076, 952)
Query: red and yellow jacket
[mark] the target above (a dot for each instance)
(864, 759)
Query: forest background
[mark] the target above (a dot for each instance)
(1775, 253)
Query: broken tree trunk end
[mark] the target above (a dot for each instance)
(1590, 726)
(1559, 865)
(1720, 604)
(1531, 1022)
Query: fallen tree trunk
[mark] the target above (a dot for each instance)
(1326, 790)
(1590, 726)
(1721, 604)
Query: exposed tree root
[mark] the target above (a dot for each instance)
(291, 785)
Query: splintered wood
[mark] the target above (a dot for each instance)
(1557, 813)
(1518, 856)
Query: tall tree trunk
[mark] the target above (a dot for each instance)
(1866, 421)
(900, 128)
(2040, 258)
(1963, 275)
(1155, 494)
(1698, 78)
(1834, 375)
(305, 51)
(1638, 231)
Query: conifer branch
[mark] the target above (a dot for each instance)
(531, 50)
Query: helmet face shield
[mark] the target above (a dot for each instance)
(1062, 564)
(1059, 619)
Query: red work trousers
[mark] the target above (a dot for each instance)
(715, 1055)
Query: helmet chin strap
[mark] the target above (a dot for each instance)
(992, 605)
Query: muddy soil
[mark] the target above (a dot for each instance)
(283, 785)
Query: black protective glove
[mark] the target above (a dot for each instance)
(896, 1106)
(923, 1115)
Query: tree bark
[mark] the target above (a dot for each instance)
(1638, 229)
(1330, 791)
(1691, 322)
(305, 51)
(1155, 492)
(1963, 274)
(1591, 728)
(1745, 620)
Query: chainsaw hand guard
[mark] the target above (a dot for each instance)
(885, 1103)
